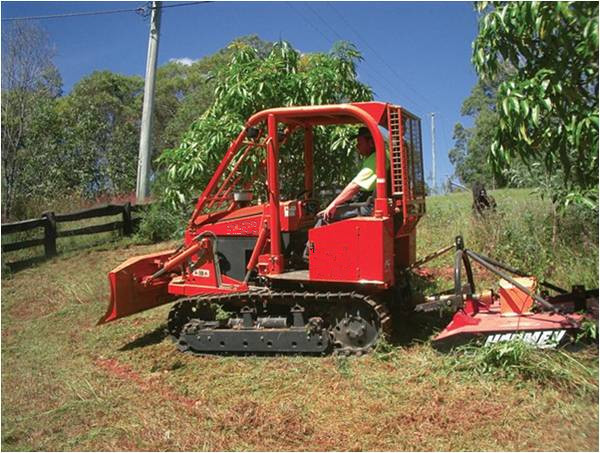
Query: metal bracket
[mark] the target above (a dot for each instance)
(247, 317)
(297, 316)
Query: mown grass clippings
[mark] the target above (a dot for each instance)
(69, 385)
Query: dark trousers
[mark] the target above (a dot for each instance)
(347, 212)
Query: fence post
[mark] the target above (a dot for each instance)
(127, 225)
(49, 234)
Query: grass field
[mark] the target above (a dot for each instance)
(69, 385)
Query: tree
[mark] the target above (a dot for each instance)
(548, 108)
(29, 81)
(184, 92)
(471, 151)
(252, 82)
(101, 118)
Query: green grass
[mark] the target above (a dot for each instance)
(64, 245)
(519, 233)
(70, 385)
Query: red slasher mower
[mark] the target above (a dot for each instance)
(240, 282)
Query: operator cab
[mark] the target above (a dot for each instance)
(271, 215)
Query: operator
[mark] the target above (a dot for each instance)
(365, 180)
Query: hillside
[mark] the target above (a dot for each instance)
(69, 385)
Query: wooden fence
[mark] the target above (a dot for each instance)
(50, 220)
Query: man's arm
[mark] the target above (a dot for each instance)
(347, 194)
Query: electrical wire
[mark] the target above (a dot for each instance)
(318, 30)
(140, 10)
(316, 13)
(364, 40)
(88, 13)
(376, 75)
(390, 84)
(381, 77)
(175, 5)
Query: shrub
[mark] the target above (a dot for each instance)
(161, 222)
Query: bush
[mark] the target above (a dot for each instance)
(159, 223)
(524, 235)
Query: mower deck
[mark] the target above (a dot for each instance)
(543, 329)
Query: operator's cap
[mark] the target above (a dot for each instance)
(363, 132)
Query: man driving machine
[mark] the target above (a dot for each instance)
(364, 181)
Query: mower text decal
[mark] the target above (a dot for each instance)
(539, 338)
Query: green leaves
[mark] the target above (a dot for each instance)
(547, 106)
(253, 81)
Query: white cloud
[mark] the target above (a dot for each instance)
(184, 61)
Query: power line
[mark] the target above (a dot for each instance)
(183, 4)
(88, 13)
(318, 30)
(379, 56)
(142, 10)
(380, 76)
(376, 75)
(366, 43)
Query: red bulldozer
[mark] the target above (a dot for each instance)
(254, 274)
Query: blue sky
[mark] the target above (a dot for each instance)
(416, 54)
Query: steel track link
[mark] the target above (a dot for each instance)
(184, 310)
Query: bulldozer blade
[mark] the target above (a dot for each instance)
(128, 293)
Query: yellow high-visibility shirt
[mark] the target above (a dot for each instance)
(367, 177)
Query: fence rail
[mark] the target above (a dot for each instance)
(23, 225)
(49, 221)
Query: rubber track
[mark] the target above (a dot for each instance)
(267, 295)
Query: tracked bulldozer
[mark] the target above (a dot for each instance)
(242, 282)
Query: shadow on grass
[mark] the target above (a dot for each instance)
(417, 327)
(148, 339)
(17, 266)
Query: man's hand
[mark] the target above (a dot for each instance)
(349, 191)
(327, 213)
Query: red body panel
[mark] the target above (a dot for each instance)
(406, 249)
(181, 286)
(358, 250)
(246, 221)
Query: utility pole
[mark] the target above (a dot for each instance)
(143, 173)
(433, 152)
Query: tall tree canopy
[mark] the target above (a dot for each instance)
(252, 82)
(184, 92)
(470, 153)
(547, 108)
(30, 81)
(101, 118)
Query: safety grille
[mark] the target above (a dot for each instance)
(414, 154)
(406, 154)
(395, 138)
